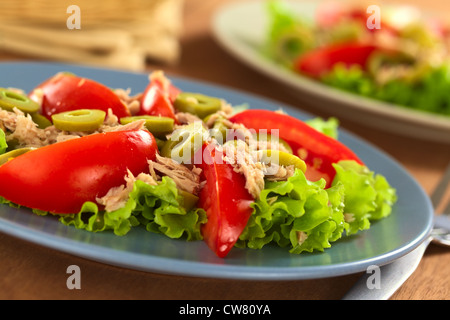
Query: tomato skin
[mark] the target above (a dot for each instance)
(66, 92)
(158, 98)
(225, 200)
(320, 61)
(316, 149)
(59, 178)
(169, 89)
(155, 102)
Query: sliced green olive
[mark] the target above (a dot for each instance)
(40, 120)
(281, 158)
(185, 142)
(158, 126)
(160, 143)
(218, 130)
(268, 138)
(293, 42)
(188, 200)
(10, 99)
(4, 158)
(79, 120)
(197, 104)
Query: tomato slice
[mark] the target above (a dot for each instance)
(67, 92)
(59, 178)
(316, 149)
(155, 102)
(159, 96)
(225, 200)
(320, 61)
(165, 86)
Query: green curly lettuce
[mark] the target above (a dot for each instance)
(328, 127)
(428, 93)
(296, 213)
(304, 216)
(3, 144)
(367, 196)
(157, 207)
(288, 35)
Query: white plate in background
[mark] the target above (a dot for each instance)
(241, 28)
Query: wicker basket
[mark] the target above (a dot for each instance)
(148, 28)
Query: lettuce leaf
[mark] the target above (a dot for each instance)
(288, 35)
(158, 208)
(328, 127)
(367, 196)
(304, 216)
(427, 93)
(3, 144)
(296, 213)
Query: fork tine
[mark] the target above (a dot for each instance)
(439, 192)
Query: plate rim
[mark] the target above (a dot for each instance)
(213, 270)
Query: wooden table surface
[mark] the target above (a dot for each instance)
(30, 271)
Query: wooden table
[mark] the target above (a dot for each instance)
(30, 271)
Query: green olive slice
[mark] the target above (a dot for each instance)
(185, 142)
(4, 158)
(10, 99)
(281, 158)
(158, 126)
(40, 120)
(79, 120)
(197, 104)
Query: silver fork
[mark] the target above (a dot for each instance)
(441, 229)
(397, 272)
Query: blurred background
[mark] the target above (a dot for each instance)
(111, 33)
(128, 34)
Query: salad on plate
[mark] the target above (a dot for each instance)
(395, 54)
(182, 164)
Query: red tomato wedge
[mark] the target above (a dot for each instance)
(59, 178)
(320, 61)
(158, 98)
(155, 102)
(166, 87)
(67, 92)
(317, 150)
(225, 200)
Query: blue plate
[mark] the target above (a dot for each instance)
(386, 240)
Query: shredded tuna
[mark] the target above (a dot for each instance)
(301, 237)
(135, 125)
(186, 118)
(279, 173)
(185, 179)
(239, 131)
(239, 156)
(111, 119)
(24, 130)
(117, 197)
(349, 217)
(131, 102)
